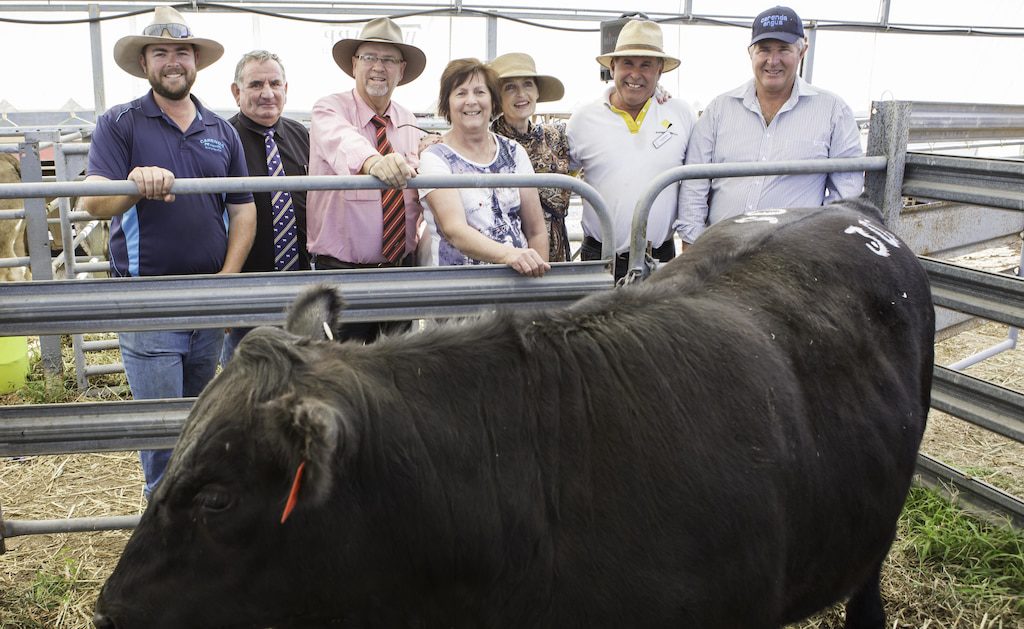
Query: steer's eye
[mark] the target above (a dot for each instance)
(212, 499)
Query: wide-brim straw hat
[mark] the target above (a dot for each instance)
(640, 38)
(168, 27)
(516, 65)
(381, 31)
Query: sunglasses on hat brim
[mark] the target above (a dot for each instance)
(177, 31)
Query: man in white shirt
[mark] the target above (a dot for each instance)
(624, 139)
(775, 116)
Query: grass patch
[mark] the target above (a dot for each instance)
(53, 590)
(983, 560)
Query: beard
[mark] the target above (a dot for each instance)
(169, 93)
(378, 90)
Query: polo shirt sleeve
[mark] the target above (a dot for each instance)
(110, 148)
(237, 167)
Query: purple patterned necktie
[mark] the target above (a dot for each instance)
(286, 234)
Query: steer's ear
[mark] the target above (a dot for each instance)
(316, 313)
(312, 435)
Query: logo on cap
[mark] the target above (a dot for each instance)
(774, 21)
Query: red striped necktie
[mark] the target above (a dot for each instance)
(392, 204)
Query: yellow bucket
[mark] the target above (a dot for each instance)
(13, 362)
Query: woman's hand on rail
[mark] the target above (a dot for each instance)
(526, 262)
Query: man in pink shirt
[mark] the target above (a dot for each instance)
(350, 229)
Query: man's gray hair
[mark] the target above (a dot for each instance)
(257, 56)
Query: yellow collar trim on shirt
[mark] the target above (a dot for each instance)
(633, 125)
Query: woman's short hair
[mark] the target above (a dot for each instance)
(458, 72)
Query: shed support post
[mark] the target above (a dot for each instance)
(890, 128)
(99, 97)
(492, 37)
(39, 239)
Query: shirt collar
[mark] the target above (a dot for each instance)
(252, 125)
(365, 112)
(152, 110)
(748, 94)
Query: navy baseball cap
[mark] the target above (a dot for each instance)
(780, 23)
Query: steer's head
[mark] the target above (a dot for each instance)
(233, 535)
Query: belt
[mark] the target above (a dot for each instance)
(332, 262)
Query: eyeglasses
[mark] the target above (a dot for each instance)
(178, 31)
(389, 62)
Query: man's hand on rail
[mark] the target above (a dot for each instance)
(153, 182)
(392, 169)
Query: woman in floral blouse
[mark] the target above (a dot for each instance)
(546, 144)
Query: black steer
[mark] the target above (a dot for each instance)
(727, 445)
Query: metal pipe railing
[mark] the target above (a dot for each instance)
(734, 169)
(308, 182)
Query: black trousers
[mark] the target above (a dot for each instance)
(591, 250)
(367, 331)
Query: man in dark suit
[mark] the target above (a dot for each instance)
(261, 90)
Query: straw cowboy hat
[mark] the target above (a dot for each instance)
(167, 27)
(515, 65)
(382, 31)
(640, 38)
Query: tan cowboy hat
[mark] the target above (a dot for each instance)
(168, 26)
(519, 64)
(640, 38)
(383, 31)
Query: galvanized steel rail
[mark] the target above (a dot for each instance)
(733, 169)
(37, 429)
(979, 402)
(968, 491)
(992, 296)
(980, 181)
(250, 299)
(309, 182)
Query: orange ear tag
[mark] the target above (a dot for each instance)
(293, 495)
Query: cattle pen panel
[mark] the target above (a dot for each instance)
(970, 290)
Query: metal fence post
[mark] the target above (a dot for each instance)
(889, 130)
(39, 240)
(96, 47)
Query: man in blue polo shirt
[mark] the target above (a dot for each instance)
(165, 134)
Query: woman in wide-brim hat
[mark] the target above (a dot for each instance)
(168, 27)
(521, 88)
(381, 31)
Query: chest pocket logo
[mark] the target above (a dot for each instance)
(213, 144)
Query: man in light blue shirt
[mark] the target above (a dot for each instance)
(773, 117)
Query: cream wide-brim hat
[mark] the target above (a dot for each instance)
(128, 49)
(515, 65)
(640, 38)
(381, 31)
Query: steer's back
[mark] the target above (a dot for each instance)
(846, 307)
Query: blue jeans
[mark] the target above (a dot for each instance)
(168, 364)
(232, 338)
